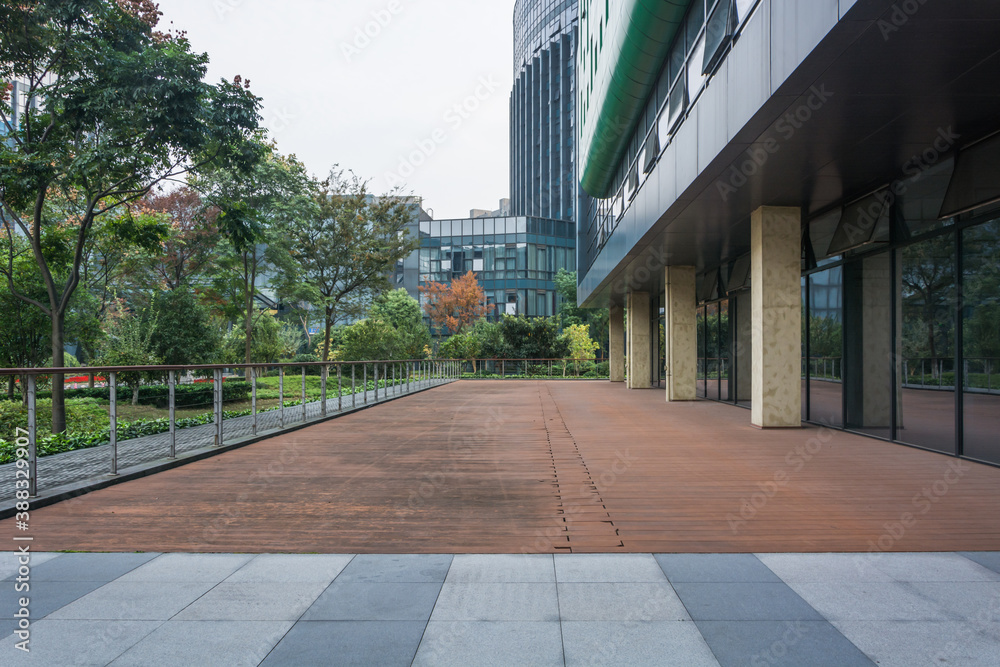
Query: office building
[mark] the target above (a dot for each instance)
(802, 196)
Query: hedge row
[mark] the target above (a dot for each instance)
(185, 395)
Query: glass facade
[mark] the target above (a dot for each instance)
(901, 340)
(542, 110)
(515, 259)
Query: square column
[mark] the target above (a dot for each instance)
(681, 333)
(776, 304)
(616, 343)
(640, 361)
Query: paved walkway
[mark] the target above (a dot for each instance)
(839, 610)
(543, 467)
(95, 463)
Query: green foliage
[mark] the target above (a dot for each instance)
(184, 332)
(404, 313)
(595, 319)
(85, 414)
(185, 395)
(129, 343)
(371, 340)
(532, 338)
(577, 337)
(265, 341)
(465, 345)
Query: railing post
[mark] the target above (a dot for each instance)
(219, 416)
(253, 399)
(340, 389)
(172, 407)
(364, 372)
(322, 389)
(281, 396)
(375, 370)
(503, 369)
(32, 438)
(113, 395)
(354, 391)
(303, 394)
(408, 376)
(395, 389)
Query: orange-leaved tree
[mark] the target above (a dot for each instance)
(452, 307)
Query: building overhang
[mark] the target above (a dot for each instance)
(807, 111)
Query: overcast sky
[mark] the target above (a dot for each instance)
(397, 90)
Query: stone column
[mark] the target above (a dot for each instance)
(681, 333)
(616, 343)
(640, 370)
(776, 247)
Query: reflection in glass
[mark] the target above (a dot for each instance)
(981, 341)
(928, 331)
(826, 335)
(702, 378)
(725, 367)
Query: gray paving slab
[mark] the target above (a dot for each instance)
(10, 562)
(933, 567)
(643, 601)
(653, 643)
(405, 568)
(825, 568)
(990, 559)
(374, 602)
(76, 642)
(971, 601)
(607, 568)
(134, 601)
(909, 643)
(44, 597)
(490, 644)
(781, 643)
(187, 568)
(497, 602)
(88, 567)
(715, 568)
(759, 601)
(253, 601)
(870, 602)
(347, 644)
(291, 568)
(502, 568)
(216, 643)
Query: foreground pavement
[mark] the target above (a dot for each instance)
(564, 609)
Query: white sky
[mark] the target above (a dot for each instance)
(370, 110)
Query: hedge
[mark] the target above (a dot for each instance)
(186, 395)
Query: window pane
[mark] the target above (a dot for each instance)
(826, 333)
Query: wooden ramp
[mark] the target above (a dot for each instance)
(543, 467)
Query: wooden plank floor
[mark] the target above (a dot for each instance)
(520, 466)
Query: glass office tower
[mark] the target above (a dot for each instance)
(542, 110)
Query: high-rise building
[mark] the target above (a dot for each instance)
(803, 198)
(543, 110)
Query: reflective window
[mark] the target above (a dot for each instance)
(826, 336)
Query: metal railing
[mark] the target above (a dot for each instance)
(356, 385)
(577, 369)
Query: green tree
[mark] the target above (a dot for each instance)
(465, 345)
(532, 338)
(404, 313)
(596, 319)
(265, 346)
(344, 248)
(184, 332)
(124, 108)
(578, 342)
(128, 342)
(370, 340)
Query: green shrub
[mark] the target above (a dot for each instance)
(186, 395)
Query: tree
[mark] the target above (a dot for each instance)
(265, 341)
(191, 244)
(403, 312)
(123, 108)
(578, 342)
(452, 307)
(184, 333)
(596, 319)
(345, 247)
(370, 340)
(532, 338)
(257, 207)
(129, 343)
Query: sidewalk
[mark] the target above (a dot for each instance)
(623, 609)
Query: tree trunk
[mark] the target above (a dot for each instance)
(135, 395)
(248, 323)
(90, 381)
(11, 382)
(326, 337)
(58, 389)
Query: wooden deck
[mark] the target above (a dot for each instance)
(519, 466)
